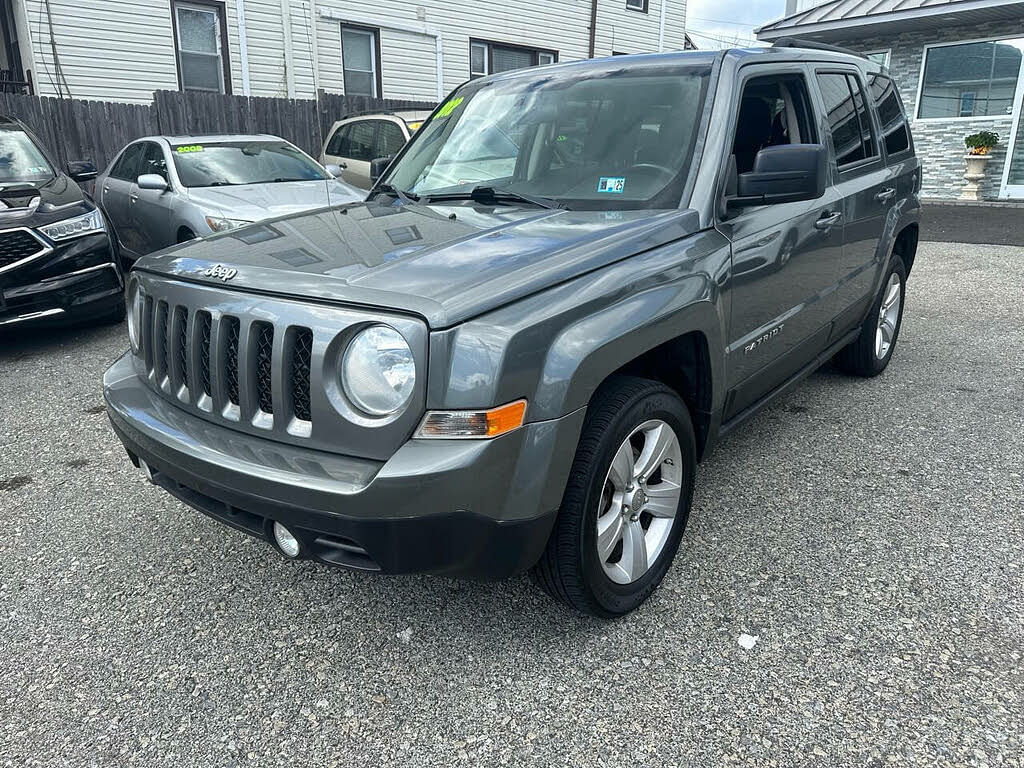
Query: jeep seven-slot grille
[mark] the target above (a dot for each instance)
(16, 245)
(215, 362)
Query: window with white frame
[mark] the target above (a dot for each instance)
(637, 5)
(489, 58)
(974, 79)
(360, 55)
(201, 47)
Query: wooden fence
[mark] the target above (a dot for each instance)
(75, 129)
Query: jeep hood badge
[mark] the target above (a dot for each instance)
(219, 271)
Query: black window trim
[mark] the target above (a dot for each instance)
(375, 31)
(512, 46)
(851, 170)
(644, 9)
(225, 49)
(903, 153)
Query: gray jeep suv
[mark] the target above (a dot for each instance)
(560, 294)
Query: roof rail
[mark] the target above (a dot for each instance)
(392, 112)
(796, 42)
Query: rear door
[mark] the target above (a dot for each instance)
(352, 147)
(150, 209)
(864, 183)
(115, 196)
(785, 256)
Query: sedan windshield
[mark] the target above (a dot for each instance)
(21, 161)
(617, 138)
(252, 162)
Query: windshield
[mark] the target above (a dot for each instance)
(252, 162)
(611, 139)
(21, 160)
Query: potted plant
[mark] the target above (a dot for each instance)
(978, 147)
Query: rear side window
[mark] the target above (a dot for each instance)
(890, 114)
(354, 141)
(127, 166)
(848, 118)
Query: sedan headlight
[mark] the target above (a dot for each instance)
(74, 227)
(136, 302)
(220, 224)
(378, 371)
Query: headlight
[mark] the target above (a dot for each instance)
(378, 371)
(136, 302)
(79, 225)
(220, 224)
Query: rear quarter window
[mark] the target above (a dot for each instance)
(891, 114)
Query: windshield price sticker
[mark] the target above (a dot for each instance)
(190, 148)
(613, 184)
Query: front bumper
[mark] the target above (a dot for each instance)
(76, 281)
(476, 508)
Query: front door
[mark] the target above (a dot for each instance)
(785, 256)
(1013, 172)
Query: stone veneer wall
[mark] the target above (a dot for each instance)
(940, 143)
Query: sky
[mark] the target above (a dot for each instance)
(727, 20)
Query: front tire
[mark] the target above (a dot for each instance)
(869, 354)
(626, 502)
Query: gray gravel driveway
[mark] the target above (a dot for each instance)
(870, 534)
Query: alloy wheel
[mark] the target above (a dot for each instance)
(888, 316)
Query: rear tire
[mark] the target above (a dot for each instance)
(869, 354)
(645, 430)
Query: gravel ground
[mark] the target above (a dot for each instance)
(870, 534)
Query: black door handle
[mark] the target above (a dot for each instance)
(827, 220)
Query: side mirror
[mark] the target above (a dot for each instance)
(152, 181)
(82, 170)
(335, 169)
(783, 174)
(378, 165)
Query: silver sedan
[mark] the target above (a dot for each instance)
(162, 190)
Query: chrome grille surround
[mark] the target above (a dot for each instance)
(269, 366)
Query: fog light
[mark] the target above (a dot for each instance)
(288, 543)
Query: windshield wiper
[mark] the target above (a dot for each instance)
(492, 195)
(407, 198)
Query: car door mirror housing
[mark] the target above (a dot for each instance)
(152, 181)
(784, 174)
(335, 169)
(82, 170)
(377, 167)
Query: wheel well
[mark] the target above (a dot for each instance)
(682, 364)
(906, 245)
(185, 234)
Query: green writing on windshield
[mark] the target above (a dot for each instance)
(190, 148)
(449, 107)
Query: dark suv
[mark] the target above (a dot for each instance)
(56, 263)
(560, 294)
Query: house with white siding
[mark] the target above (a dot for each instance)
(123, 50)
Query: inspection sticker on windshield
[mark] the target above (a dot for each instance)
(613, 184)
(190, 148)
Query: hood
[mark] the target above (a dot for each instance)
(31, 205)
(255, 202)
(444, 263)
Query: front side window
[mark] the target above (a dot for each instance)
(970, 79)
(889, 107)
(622, 139)
(153, 161)
(201, 47)
(490, 58)
(390, 139)
(20, 159)
(848, 118)
(233, 163)
(774, 110)
(127, 166)
(360, 58)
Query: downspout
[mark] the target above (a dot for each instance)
(593, 27)
(289, 53)
(243, 46)
(661, 27)
(439, 55)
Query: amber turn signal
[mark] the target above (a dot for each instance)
(455, 425)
